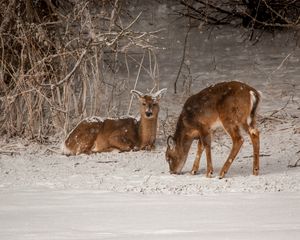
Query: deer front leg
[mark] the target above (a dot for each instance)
(237, 142)
(198, 157)
(207, 144)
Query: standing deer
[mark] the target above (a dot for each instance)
(95, 134)
(231, 105)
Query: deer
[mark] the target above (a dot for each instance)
(230, 105)
(95, 134)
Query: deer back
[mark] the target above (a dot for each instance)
(232, 103)
(118, 133)
(82, 138)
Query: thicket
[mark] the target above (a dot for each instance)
(59, 60)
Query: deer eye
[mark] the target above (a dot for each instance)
(144, 104)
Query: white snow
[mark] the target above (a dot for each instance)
(43, 215)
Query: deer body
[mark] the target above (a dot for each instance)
(147, 133)
(102, 135)
(231, 105)
(95, 134)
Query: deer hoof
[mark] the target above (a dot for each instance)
(209, 174)
(135, 149)
(255, 172)
(222, 175)
(193, 172)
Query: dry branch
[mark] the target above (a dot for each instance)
(69, 75)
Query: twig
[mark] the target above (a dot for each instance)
(69, 75)
(147, 179)
(183, 57)
(272, 119)
(154, 72)
(136, 80)
(295, 164)
(261, 155)
(143, 67)
(164, 122)
(52, 150)
(282, 62)
(285, 105)
(123, 31)
(8, 152)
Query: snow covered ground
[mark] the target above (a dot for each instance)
(43, 215)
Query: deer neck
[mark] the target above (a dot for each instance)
(182, 139)
(147, 132)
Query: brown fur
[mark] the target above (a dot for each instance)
(125, 134)
(231, 104)
(148, 125)
(91, 136)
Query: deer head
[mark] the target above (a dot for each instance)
(172, 156)
(149, 103)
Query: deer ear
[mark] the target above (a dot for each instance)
(136, 93)
(157, 96)
(171, 142)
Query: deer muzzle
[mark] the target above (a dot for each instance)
(149, 113)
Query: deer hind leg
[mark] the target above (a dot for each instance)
(120, 142)
(198, 157)
(237, 142)
(254, 135)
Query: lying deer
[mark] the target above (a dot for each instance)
(231, 105)
(95, 134)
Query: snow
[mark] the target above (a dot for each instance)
(93, 119)
(32, 166)
(75, 215)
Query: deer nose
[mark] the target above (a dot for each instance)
(148, 114)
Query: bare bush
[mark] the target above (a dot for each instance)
(59, 60)
(253, 14)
